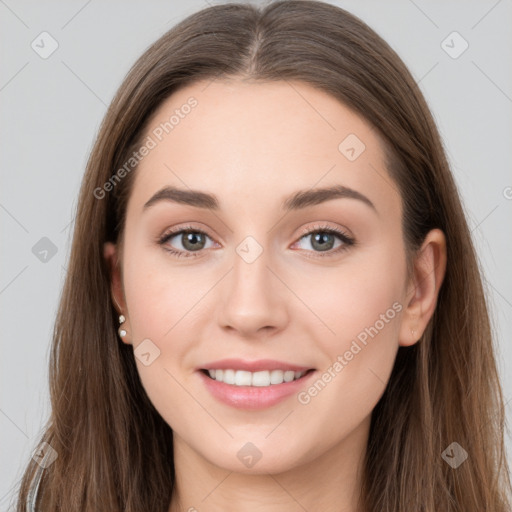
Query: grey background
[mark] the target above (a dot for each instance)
(51, 110)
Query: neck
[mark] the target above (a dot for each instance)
(329, 482)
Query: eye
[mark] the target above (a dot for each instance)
(322, 239)
(192, 241)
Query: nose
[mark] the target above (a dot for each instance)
(254, 301)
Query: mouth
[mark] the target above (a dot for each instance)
(262, 378)
(254, 385)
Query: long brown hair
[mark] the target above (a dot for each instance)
(115, 451)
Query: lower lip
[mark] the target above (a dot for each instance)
(253, 397)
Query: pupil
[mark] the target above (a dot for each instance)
(191, 241)
(323, 240)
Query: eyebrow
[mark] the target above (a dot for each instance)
(298, 200)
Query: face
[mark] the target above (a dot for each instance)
(274, 282)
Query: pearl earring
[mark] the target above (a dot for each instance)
(121, 331)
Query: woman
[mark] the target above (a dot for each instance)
(273, 301)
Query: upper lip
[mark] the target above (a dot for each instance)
(252, 366)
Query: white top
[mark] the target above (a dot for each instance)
(34, 488)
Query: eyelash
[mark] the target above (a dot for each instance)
(347, 240)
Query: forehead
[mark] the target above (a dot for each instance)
(262, 140)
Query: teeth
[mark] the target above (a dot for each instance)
(259, 379)
(241, 378)
(229, 377)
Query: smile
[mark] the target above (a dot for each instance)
(262, 378)
(254, 387)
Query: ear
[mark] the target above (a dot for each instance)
(428, 275)
(111, 255)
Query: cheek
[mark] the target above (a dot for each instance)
(359, 304)
(159, 293)
(166, 306)
(352, 298)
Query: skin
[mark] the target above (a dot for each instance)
(252, 144)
